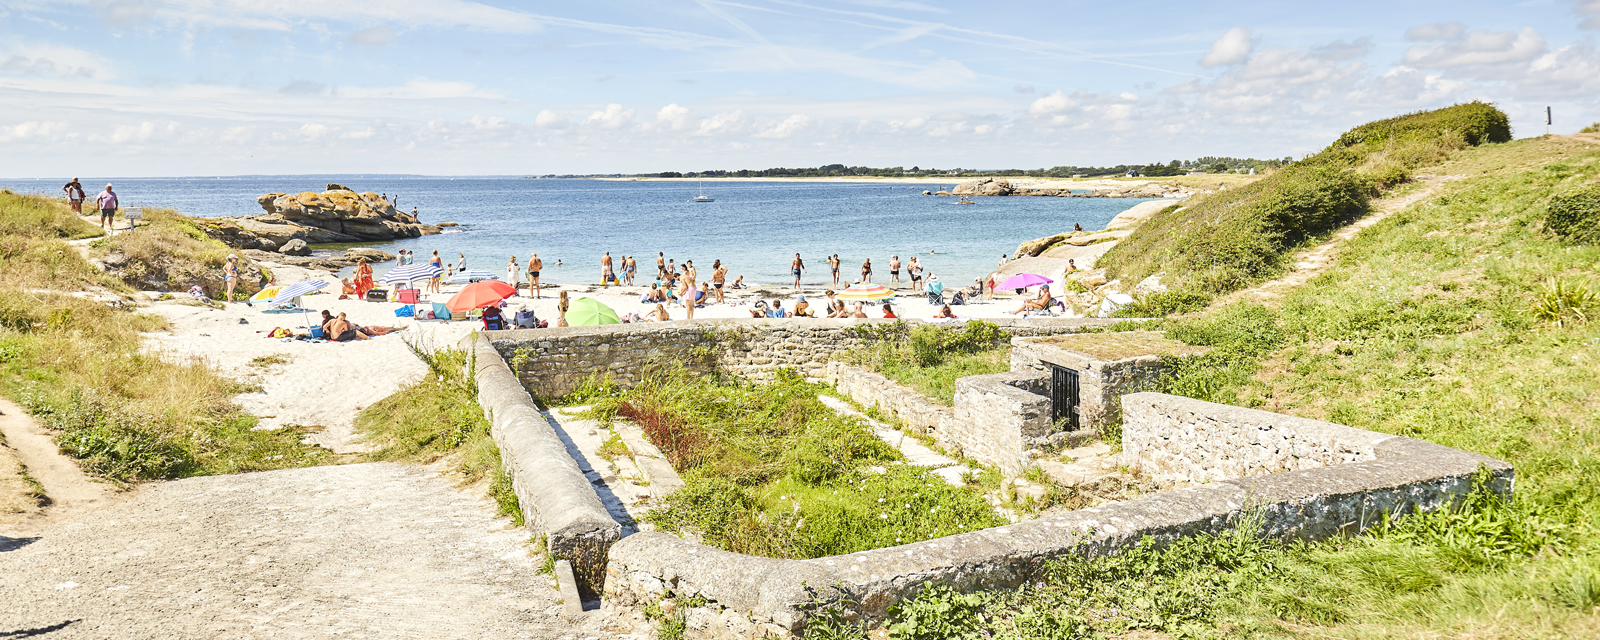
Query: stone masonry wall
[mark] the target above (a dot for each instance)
(869, 389)
(997, 422)
(751, 597)
(553, 362)
(1186, 440)
(1101, 384)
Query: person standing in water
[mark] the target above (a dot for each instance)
(607, 275)
(894, 268)
(866, 271)
(797, 267)
(914, 269)
(661, 264)
(833, 265)
(535, 265)
(75, 195)
(630, 269)
(513, 273)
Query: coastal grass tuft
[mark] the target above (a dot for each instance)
(75, 363)
(769, 470)
(1426, 327)
(436, 417)
(931, 358)
(1230, 239)
(170, 252)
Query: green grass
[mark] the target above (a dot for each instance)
(769, 470)
(439, 416)
(1426, 326)
(1230, 239)
(76, 364)
(170, 252)
(931, 358)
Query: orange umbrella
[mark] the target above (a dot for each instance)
(480, 294)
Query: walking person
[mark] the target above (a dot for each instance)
(797, 267)
(690, 294)
(894, 268)
(607, 276)
(107, 201)
(535, 265)
(661, 264)
(75, 195)
(630, 269)
(833, 265)
(866, 271)
(513, 273)
(230, 274)
(914, 269)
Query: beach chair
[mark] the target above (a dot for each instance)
(441, 312)
(935, 298)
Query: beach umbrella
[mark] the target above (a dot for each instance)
(472, 276)
(480, 294)
(1023, 281)
(412, 272)
(292, 292)
(266, 294)
(588, 312)
(866, 292)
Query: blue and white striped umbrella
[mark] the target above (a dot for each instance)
(472, 276)
(289, 293)
(412, 272)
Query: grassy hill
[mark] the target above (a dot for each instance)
(1229, 239)
(1463, 320)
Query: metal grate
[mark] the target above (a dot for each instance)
(1064, 396)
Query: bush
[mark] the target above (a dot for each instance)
(930, 358)
(1575, 215)
(1593, 128)
(1163, 304)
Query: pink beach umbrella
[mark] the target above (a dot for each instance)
(1023, 281)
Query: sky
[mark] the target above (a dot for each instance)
(136, 88)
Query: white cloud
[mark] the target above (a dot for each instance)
(481, 122)
(673, 117)
(38, 59)
(790, 126)
(1479, 50)
(1589, 10)
(722, 123)
(1436, 31)
(1052, 103)
(372, 36)
(284, 15)
(613, 117)
(552, 120)
(1232, 48)
(419, 89)
(32, 130)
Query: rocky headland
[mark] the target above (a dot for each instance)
(293, 221)
(1003, 187)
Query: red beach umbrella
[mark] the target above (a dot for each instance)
(480, 294)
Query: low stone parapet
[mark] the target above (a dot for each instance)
(556, 498)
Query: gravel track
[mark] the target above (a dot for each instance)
(356, 551)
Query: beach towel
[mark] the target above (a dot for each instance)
(197, 293)
(440, 311)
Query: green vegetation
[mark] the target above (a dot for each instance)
(75, 364)
(769, 470)
(1593, 128)
(930, 358)
(169, 252)
(439, 416)
(1429, 325)
(1575, 215)
(1230, 239)
(1210, 164)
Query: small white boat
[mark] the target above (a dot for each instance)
(703, 197)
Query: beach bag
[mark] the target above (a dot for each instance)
(407, 311)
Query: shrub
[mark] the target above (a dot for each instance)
(1575, 215)
(930, 358)
(1163, 304)
(1559, 301)
(1593, 128)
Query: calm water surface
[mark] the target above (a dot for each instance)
(754, 227)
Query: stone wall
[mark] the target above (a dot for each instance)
(872, 390)
(553, 362)
(750, 596)
(998, 422)
(556, 498)
(1101, 384)
(1178, 439)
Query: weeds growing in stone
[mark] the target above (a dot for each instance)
(931, 358)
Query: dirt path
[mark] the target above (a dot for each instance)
(358, 551)
(68, 489)
(1313, 261)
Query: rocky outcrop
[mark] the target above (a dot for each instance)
(1001, 187)
(295, 247)
(333, 216)
(323, 262)
(167, 272)
(984, 187)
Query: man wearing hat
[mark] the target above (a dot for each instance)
(75, 196)
(108, 208)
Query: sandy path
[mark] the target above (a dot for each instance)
(68, 488)
(357, 551)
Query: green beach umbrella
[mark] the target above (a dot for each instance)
(587, 312)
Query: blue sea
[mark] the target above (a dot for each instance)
(755, 227)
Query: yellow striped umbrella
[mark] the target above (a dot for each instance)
(866, 292)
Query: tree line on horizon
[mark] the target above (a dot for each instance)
(1208, 164)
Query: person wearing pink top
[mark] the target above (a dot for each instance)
(108, 207)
